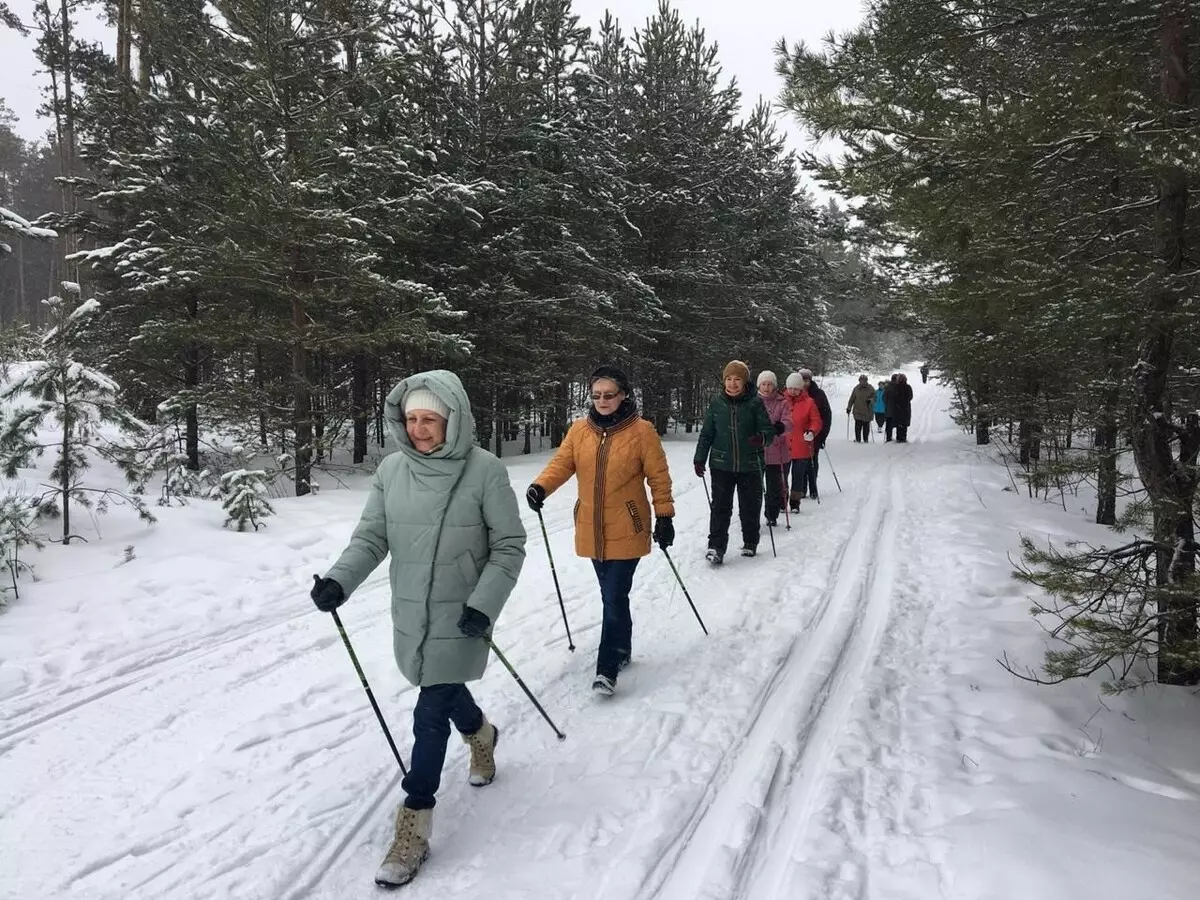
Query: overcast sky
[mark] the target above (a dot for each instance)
(746, 31)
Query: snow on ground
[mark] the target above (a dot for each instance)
(185, 725)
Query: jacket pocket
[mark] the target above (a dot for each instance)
(638, 525)
(468, 569)
(575, 512)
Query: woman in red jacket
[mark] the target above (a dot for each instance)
(806, 425)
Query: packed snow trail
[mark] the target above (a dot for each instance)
(185, 725)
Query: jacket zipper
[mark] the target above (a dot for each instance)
(437, 542)
(598, 499)
(733, 436)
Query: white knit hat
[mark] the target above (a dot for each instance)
(795, 381)
(423, 398)
(767, 375)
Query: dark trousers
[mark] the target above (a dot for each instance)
(814, 466)
(437, 706)
(902, 434)
(879, 420)
(616, 629)
(775, 488)
(862, 430)
(749, 488)
(887, 427)
(803, 479)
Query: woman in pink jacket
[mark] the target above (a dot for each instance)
(777, 454)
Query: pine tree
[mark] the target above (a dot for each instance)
(66, 406)
(1047, 245)
(244, 496)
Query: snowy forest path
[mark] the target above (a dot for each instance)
(245, 762)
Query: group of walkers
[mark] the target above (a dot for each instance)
(889, 403)
(444, 510)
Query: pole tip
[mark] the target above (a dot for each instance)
(562, 737)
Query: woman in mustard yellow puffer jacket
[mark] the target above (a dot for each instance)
(613, 452)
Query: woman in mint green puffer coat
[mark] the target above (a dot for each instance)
(444, 510)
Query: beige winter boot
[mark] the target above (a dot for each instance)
(409, 849)
(483, 756)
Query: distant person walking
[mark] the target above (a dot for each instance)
(806, 426)
(880, 406)
(862, 399)
(736, 429)
(777, 455)
(900, 405)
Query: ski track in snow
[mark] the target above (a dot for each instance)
(734, 766)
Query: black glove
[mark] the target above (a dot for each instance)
(473, 623)
(327, 594)
(756, 441)
(664, 532)
(536, 497)
(699, 469)
(779, 428)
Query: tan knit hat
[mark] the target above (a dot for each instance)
(738, 368)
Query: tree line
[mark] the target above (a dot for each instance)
(284, 205)
(1025, 174)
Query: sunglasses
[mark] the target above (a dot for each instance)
(607, 395)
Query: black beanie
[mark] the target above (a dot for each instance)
(612, 373)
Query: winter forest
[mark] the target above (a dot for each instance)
(957, 672)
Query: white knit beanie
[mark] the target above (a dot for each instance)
(767, 375)
(423, 398)
(795, 381)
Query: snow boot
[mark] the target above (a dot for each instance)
(625, 661)
(749, 551)
(771, 523)
(604, 685)
(483, 748)
(409, 849)
(795, 497)
(716, 557)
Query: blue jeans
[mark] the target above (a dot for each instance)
(616, 631)
(437, 706)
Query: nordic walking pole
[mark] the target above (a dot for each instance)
(847, 425)
(528, 693)
(762, 473)
(557, 589)
(366, 687)
(787, 516)
(707, 496)
(671, 562)
(835, 478)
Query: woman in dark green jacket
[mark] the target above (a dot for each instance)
(735, 431)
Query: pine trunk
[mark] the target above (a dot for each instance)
(191, 380)
(260, 384)
(302, 401)
(359, 406)
(64, 485)
(1170, 482)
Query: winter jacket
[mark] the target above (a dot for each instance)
(805, 417)
(824, 409)
(612, 458)
(779, 410)
(450, 521)
(730, 423)
(899, 403)
(862, 398)
(880, 404)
